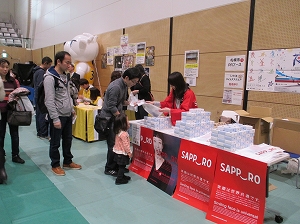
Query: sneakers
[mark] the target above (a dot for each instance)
(111, 172)
(72, 166)
(44, 137)
(58, 171)
(121, 181)
(17, 159)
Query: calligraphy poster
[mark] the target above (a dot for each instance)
(191, 64)
(235, 63)
(196, 168)
(275, 70)
(164, 171)
(143, 154)
(239, 190)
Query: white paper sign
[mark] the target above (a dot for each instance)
(235, 63)
(191, 64)
(234, 80)
(232, 96)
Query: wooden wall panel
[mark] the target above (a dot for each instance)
(276, 24)
(37, 56)
(48, 51)
(17, 54)
(155, 33)
(214, 30)
(57, 48)
(105, 40)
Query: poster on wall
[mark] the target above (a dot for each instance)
(232, 96)
(191, 64)
(117, 50)
(191, 81)
(150, 53)
(140, 54)
(275, 70)
(132, 48)
(110, 55)
(104, 61)
(164, 171)
(234, 80)
(147, 71)
(124, 39)
(127, 62)
(143, 154)
(235, 63)
(118, 63)
(196, 168)
(239, 190)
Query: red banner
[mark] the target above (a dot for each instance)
(143, 155)
(239, 190)
(196, 167)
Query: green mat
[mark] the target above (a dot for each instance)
(30, 197)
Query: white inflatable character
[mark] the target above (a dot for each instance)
(83, 50)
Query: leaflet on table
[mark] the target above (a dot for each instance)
(196, 168)
(239, 190)
(263, 152)
(152, 110)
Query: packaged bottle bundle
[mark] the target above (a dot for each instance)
(157, 122)
(194, 123)
(232, 137)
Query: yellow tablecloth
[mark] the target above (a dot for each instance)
(83, 128)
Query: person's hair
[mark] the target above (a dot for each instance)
(140, 68)
(132, 73)
(120, 123)
(115, 75)
(159, 135)
(46, 60)
(7, 76)
(83, 81)
(176, 79)
(94, 93)
(60, 56)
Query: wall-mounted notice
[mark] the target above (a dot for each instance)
(124, 39)
(110, 55)
(274, 70)
(132, 49)
(191, 63)
(150, 53)
(140, 54)
(232, 96)
(191, 81)
(234, 80)
(235, 63)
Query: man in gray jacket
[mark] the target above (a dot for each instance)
(115, 98)
(60, 108)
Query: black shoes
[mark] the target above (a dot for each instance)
(3, 176)
(126, 170)
(111, 172)
(126, 177)
(17, 159)
(121, 181)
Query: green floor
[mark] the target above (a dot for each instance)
(34, 194)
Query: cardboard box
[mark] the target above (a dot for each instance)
(286, 134)
(259, 118)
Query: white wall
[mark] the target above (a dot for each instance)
(56, 21)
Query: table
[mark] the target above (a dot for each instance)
(228, 186)
(83, 127)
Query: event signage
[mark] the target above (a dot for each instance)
(239, 190)
(196, 167)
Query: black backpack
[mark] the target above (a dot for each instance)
(41, 95)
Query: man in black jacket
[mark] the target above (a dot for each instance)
(40, 119)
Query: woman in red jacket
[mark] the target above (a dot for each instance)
(181, 98)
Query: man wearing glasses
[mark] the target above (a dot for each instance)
(115, 98)
(60, 108)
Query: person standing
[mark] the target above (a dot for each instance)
(143, 89)
(9, 85)
(115, 98)
(40, 119)
(122, 147)
(60, 108)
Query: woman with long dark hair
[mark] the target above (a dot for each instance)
(181, 98)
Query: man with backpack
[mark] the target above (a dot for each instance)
(40, 118)
(61, 111)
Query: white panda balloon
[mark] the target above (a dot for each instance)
(83, 50)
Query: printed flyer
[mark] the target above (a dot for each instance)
(191, 64)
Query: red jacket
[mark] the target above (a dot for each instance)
(188, 101)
